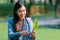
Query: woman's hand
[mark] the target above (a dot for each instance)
(24, 33)
(33, 34)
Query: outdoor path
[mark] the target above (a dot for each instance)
(48, 21)
(41, 21)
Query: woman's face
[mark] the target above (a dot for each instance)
(21, 12)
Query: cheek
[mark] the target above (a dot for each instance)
(19, 14)
(24, 15)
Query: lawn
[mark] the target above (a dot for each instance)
(47, 34)
(3, 31)
(41, 33)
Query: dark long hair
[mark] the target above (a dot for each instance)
(16, 17)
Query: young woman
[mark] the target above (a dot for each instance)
(20, 27)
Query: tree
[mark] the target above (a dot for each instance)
(51, 2)
(25, 2)
(11, 1)
(19, 0)
(45, 6)
(8, 2)
(31, 3)
(56, 8)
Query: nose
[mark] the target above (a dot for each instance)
(22, 12)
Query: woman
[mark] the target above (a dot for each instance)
(20, 27)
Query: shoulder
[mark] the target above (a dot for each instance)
(10, 19)
(29, 19)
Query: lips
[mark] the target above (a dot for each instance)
(21, 15)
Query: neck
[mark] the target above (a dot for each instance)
(21, 19)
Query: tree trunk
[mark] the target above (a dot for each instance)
(19, 0)
(31, 3)
(8, 1)
(56, 9)
(45, 6)
(51, 2)
(11, 1)
(25, 2)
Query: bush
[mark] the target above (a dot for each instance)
(6, 9)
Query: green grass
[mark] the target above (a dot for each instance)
(41, 33)
(3, 31)
(3, 18)
(47, 34)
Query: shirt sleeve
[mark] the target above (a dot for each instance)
(11, 33)
(30, 23)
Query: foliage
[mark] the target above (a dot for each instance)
(6, 9)
(35, 26)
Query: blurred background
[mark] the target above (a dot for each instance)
(44, 13)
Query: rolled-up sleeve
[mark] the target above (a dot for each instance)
(11, 33)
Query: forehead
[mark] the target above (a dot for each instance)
(22, 8)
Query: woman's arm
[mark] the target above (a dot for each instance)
(10, 29)
(32, 30)
(30, 23)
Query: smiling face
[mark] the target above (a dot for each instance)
(21, 12)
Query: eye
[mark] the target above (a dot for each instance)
(24, 10)
(19, 11)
